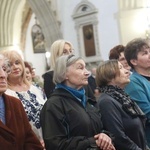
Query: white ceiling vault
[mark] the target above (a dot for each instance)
(15, 16)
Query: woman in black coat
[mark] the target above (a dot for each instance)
(69, 121)
(120, 115)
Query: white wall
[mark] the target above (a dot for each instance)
(108, 30)
(108, 24)
(37, 59)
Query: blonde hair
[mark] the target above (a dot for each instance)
(13, 55)
(57, 50)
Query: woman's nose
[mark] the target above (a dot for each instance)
(2, 72)
(87, 73)
(127, 71)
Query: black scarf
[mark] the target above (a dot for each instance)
(119, 95)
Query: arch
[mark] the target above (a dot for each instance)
(84, 8)
(47, 20)
(7, 17)
(11, 25)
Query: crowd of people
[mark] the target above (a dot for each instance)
(105, 108)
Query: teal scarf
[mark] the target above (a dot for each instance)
(78, 94)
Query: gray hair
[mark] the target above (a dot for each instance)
(62, 63)
(6, 63)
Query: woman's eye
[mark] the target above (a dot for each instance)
(4, 69)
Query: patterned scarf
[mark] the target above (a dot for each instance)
(119, 95)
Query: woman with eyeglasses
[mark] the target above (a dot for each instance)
(68, 120)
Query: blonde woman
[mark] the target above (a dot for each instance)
(58, 48)
(18, 86)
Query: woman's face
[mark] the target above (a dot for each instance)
(67, 49)
(77, 75)
(28, 74)
(16, 69)
(3, 76)
(142, 63)
(123, 78)
(123, 61)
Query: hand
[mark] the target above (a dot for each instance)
(43, 144)
(104, 142)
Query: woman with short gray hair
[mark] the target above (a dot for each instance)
(68, 120)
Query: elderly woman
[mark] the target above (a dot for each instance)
(59, 48)
(68, 120)
(120, 115)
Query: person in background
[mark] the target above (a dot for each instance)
(68, 120)
(18, 86)
(35, 78)
(91, 79)
(117, 52)
(15, 130)
(59, 48)
(137, 53)
(30, 77)
(124, 119)
(28, 71)
(92, 82)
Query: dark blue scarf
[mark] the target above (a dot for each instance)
(78, 94)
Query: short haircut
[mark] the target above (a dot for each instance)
(62, 63)
(133, 48)
(106, 71)
(115, 51)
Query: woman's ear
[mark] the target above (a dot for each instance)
(133, 62)
(66, 77)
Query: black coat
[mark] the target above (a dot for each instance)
(67, 125)
(49, 86)
(92, 83)
(128, 131)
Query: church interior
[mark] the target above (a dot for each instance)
(93, 26)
